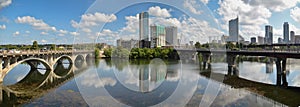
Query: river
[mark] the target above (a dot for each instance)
(116, 82)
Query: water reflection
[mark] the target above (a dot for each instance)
(139, 82)
(147, 83)
(37, 82)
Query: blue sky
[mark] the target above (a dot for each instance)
(60, 21)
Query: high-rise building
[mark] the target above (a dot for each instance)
(297, 39)
(171, 35)
(253, 40)
(269, 34)
(260, 40)
(286, 31)
(158, 36)
(144, 30)
(292, 37)
(233, 30)
(280, 40)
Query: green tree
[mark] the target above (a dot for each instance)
(35, 45)
(230, 45)
(107, 52)
(53, 47)
(97, 53)
(164, 53)
(197, 45)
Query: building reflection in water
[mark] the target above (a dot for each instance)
(151, 76)
(269, 67)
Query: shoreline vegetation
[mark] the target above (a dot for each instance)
(138, 53)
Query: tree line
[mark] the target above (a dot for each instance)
(141, 53)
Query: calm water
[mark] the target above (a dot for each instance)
(139, 83)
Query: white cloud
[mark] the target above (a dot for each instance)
(95, 81)
(63, 31)
(295, 14)
(91, 20)
(251, 21)
(273, 5)
(74, 33)
(205, 1)
(43, 41)
(44, 33)
(193, 6)
(132, 24)
(108, 33)
(27, 31)
(35, 23)
(2, 27)
(4, 3)
(98, 17)
(159, 12)
(16, 33)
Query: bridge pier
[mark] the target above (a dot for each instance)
(232, 68)
(7, 62)
(14, 60)
(281, 71)
(206, 58)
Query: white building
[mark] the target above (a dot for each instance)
(171, 36)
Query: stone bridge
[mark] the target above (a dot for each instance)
(48, 59)
(36, 84)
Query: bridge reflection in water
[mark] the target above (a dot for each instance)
(288, 95)
(43, 76)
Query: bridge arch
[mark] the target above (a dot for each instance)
(79, 60)
(62, 72)
(45, 63)
(64, 56)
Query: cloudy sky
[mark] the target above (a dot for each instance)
(76, 21)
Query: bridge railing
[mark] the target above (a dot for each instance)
(33, 52)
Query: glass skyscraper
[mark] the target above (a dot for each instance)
(269, 34)
(286, 32)
(144, 29)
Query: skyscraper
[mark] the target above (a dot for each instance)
(144, 30)
(269, 34)
(292, 37)
(158, 36)
(234, 30)
(253, 39)
(260, 40)
(171, 35)
(286, 32)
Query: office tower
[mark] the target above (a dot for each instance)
(260, 40)
(253, 40)
(144, 30)
(297, 39)
(286, 32)
(171, 35)
(234, 30)
(292, 37)
(158, 36)
(280, 40)
(269, 34)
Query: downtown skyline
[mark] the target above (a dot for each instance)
(58, 21)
